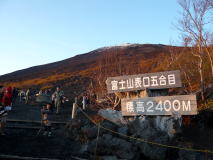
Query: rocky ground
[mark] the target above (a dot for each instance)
(189, 136)
(78, 138)
(29, 142)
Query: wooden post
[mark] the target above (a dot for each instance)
(76, 100)
(84, 102)
(74, 110)
(127, 95)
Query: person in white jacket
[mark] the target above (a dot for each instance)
(57, 98)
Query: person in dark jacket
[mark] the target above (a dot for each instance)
(14, 95)
(1, 94)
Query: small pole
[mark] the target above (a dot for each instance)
(74, 107)
(128, 95)
(76, 100)
(84, 102)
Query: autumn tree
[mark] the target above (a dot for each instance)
(194, 26)
(113, 64)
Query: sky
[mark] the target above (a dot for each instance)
(35, 32)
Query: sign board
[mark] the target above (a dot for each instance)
(159, 80)
(163, 105)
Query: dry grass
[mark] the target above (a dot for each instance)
(38, 81)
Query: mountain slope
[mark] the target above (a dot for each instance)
(86, 61)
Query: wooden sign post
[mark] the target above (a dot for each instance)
(84, 102)
(163, 105)
(74, 108)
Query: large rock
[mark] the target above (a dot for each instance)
(73, 129)
(90, 132)
(113, 116)
(109, 145)
(109, 125)
(169, 124)
(123, 130)
(74, 123)
(158, 129)
(150, 150)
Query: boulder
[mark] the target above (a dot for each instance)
(154, 151)
(90, 132)
(169, 124)
(123, 130)
(153, 129)
(109, 125)
(113, 116)
(109, 145)
(74, 123)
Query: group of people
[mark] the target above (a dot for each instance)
(57, 100)
(47, 110)
(8, 96)
(24, 96)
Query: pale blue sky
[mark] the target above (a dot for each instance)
(34, 32)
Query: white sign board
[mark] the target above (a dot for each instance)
(164, 105)
(159, 80)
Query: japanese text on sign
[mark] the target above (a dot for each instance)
(158, 80)
(167, 105)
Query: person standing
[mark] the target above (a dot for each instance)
(85, 101)
(3, 119)
(27, 96)
(1, 94)
(21, 94)
(57, 98)
(46, 119)
(15, 95)
(6, 106)
(7, 97)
